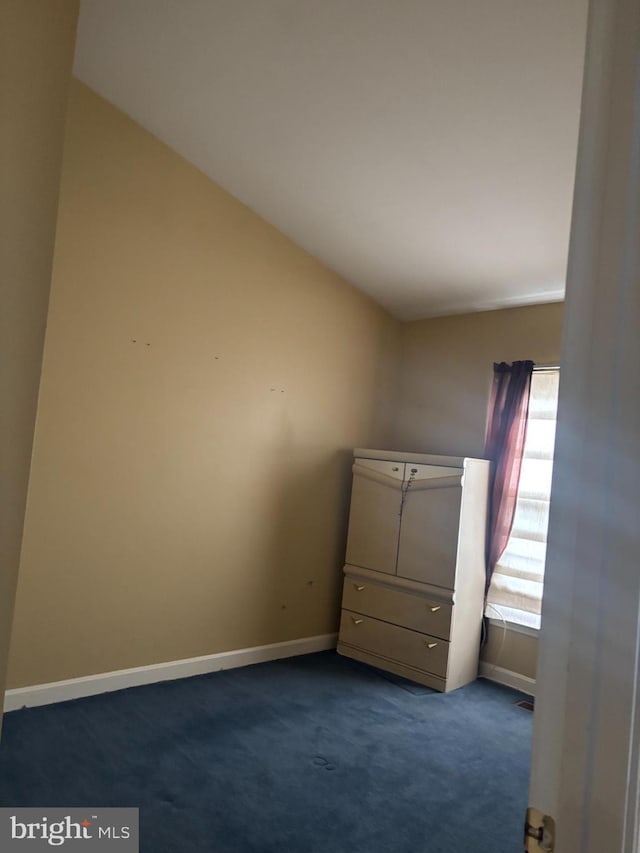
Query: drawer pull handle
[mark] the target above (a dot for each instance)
(435, 608)
(358, 587)
(431, 645)
(356, 621)
(395, 469)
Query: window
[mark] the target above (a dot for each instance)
(515, 594)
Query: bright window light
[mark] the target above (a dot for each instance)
(515, 594)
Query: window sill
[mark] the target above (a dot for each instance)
(515, 627)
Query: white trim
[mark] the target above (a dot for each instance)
(507, 677)
(515, 627)
(546, 368)
(105, 682)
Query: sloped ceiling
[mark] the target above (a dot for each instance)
(423, 149)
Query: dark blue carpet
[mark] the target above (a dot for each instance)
(314, 754)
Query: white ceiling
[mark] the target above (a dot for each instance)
(424, 149)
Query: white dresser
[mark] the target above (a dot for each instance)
(415, 566)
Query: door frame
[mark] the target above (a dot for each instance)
(586, 741)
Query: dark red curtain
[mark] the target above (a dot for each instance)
(506, 432)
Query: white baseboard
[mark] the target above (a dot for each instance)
(105, 682)
(508, 678)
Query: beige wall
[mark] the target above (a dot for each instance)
(36, 43)
(511, 650)
(204, 382)
(446, 369)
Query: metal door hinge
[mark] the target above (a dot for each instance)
(539, 832)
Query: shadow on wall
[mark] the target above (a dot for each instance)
(301, 580)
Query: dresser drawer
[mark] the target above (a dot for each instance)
(401, 608)
(391, 641)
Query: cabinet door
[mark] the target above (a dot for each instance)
(429, 527)
(374, 519)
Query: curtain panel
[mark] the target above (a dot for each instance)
(506, 433)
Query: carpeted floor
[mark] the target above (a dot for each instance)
(315, 754)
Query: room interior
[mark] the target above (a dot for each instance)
(185, 331)
(205, 380)
(157, 382)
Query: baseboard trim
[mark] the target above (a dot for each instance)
(105, 682)
(508, 678)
